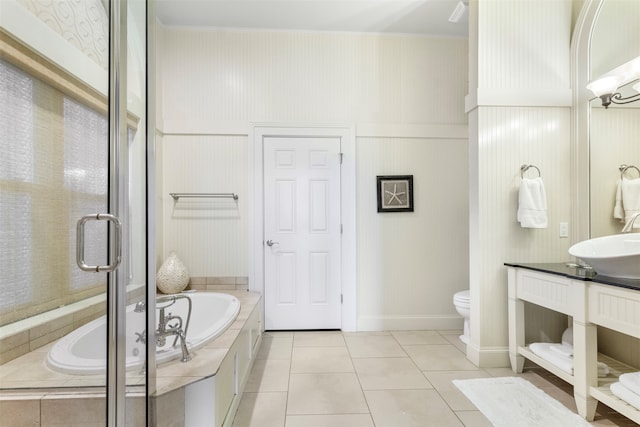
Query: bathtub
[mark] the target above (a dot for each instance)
(83, 351)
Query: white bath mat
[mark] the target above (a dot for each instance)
(515, 402)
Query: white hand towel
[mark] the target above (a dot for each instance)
(565, 350)
(618, 210)
(622, 392)
(543, 350)
(631, 380)
(532, 203)
(631, 198)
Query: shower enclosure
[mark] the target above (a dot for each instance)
(76, 207)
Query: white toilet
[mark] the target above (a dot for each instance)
(462, 302)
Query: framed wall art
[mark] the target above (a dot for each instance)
(395, 193)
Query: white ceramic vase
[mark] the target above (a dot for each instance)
(173, 276)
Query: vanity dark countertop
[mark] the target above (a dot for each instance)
(574, 271)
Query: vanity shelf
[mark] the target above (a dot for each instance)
(616, 367)
(543, 363)
(590, 301)
(604, 395)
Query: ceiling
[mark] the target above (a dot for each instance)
(424, 17)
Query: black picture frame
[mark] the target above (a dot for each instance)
(395, 193)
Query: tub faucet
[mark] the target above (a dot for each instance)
(141, 337)
(629, 225)
(165, 329)
(140, 307)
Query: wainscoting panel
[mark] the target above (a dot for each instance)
(508, 138)
(511, 62)
(305, 77)
(209, 234)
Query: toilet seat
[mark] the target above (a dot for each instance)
(461, 298)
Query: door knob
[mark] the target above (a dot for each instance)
(271, 243)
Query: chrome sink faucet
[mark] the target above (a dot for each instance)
(629, 225)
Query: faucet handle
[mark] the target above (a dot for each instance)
(141, 337)
(140, 307)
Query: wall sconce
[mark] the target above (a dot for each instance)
(605, 87)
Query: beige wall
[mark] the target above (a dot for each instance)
(410, 265)
(519, 113)
(403, 95)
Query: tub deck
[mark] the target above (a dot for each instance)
(27, 379)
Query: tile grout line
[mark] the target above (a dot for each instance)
(445, 400)
(286, 400)
(373, 422)
(471, 414)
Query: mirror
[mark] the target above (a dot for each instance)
(614, 133)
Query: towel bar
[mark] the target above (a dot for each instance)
(176, 196)
(525, 168)
(624, 168)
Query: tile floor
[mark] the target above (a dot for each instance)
(382, 379)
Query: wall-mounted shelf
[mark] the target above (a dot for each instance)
(177, 196)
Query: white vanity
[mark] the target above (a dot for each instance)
(589, 302)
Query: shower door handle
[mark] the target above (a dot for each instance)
(115, 248)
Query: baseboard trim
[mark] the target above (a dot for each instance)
(408, 323)
(488, 357)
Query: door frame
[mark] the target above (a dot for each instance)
(347, 206)
(117, 196)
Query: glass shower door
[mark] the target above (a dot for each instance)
(128, 367)
(134, 155)
(73, 133)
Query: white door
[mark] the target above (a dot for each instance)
(302, 233)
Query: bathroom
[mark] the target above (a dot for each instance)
(456, 127)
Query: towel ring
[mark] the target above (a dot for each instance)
(525, 168)
(624, 168)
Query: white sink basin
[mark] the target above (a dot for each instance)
(615, 256)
